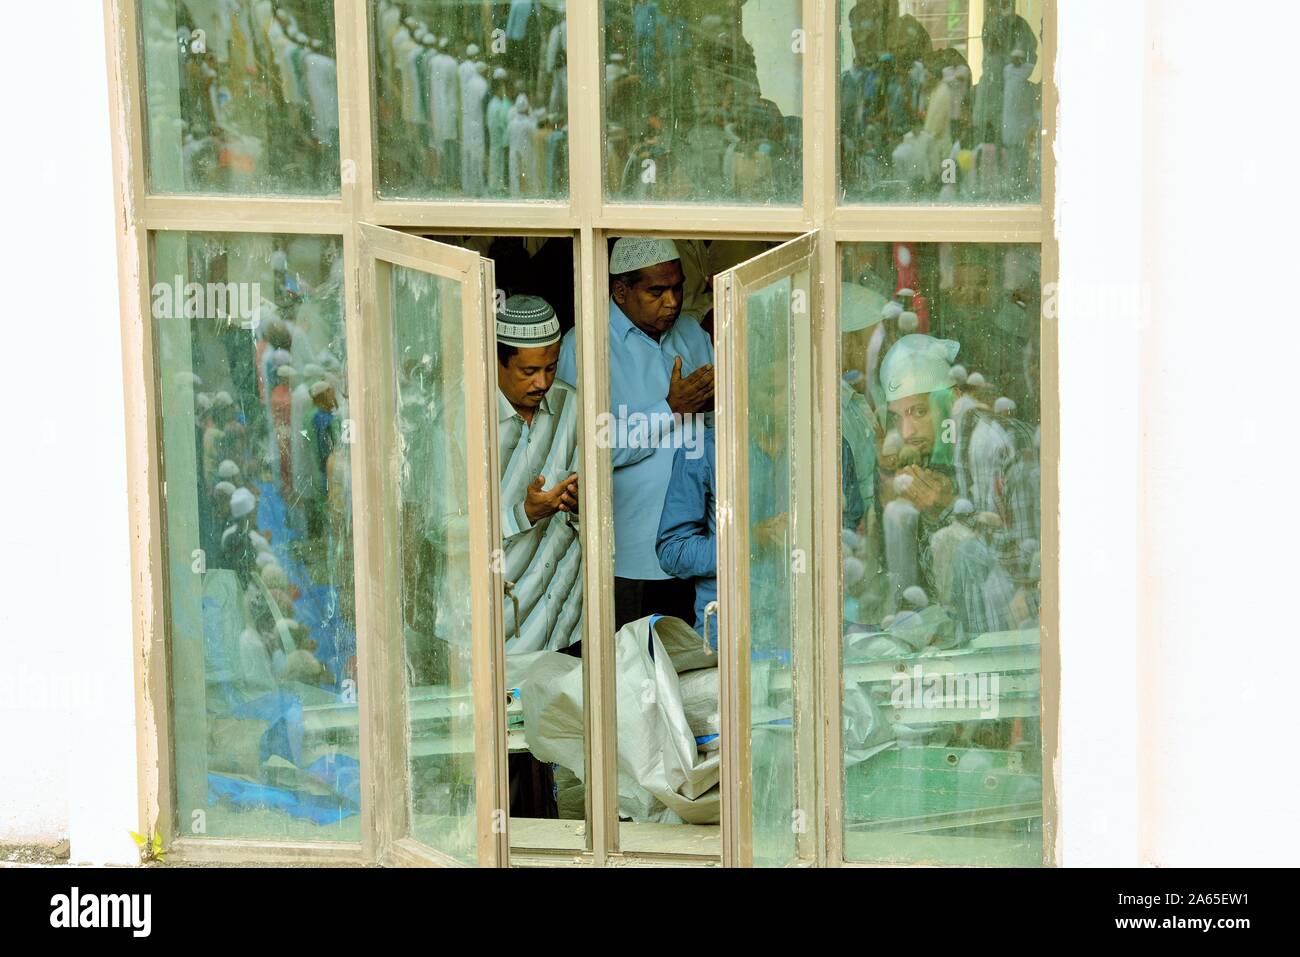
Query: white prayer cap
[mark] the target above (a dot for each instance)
(908, 322)
(281, 357)
(1017, 52)
(640, 252)
(499, 73)
(265, 558)
(287, 372)
(228, 470)
(963, 506)
(312, 371)
(224, 488)
(958, 374)
(242, 502)
(890, 310)
(521, 104)
(471, 50)
(319, 388)
(527, 322)
(616, 58)
(203, 401)
(188, 378)
(859, 307)
(222, 398)
(916, 365)
(915, 596)
(1004, 406)
(442, 43)
(907, 293)
(975, 380)
(854, 569)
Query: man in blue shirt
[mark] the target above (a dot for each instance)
(661, 390)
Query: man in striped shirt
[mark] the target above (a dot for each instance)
(538, 435)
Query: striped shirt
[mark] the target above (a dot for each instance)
(543, 562)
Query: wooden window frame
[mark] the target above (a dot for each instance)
(589, 218)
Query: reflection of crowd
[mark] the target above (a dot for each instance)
(685, 116)
(915, 123)
(473, 97)
(256, 105)
(940, 406)
(272, 487)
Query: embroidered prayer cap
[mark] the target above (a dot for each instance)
(640, 252)
(527, 322)
(916, 365)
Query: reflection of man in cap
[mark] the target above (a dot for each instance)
(660, 369)
(538, 441)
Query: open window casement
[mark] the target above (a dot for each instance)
(434, 588)
(766, 310)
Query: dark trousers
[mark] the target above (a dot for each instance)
(634, 598)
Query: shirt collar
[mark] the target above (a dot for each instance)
(620, 326)
(506, 411)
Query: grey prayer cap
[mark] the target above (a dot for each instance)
(527, 322)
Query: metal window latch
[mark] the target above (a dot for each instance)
(711, 609)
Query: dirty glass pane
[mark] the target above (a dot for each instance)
(471, 99)
(703, 100)
(240, 97)
(940, 101)
(437, 616)
(251, 369)
(772, 457)
(940, 415)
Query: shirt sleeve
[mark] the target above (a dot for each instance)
(514, 521)
(685, 547)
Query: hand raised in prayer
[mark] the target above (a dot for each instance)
(929, 491)
(692, 394)
(542, 503)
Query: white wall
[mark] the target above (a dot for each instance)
(1176, 707)
(67, 745)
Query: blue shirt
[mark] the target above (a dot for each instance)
(641, 430)
(688, 530)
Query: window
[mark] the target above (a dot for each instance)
(329, 204)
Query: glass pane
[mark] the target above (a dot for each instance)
(437, 614)
(941, 517)
(940, 101)
(240, 97)
(703, 100)
(770, 350)
(471, 99)
(252, 386)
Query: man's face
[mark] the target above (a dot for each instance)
(915, 422)
(864, 26)
(528, 376)
(655, 301)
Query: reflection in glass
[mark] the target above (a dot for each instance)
(437, 616)
(703, 100)
(240, 97)
(471, 99)
(252, 384)
(940, 100)
(769, 346)
(939, 412)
